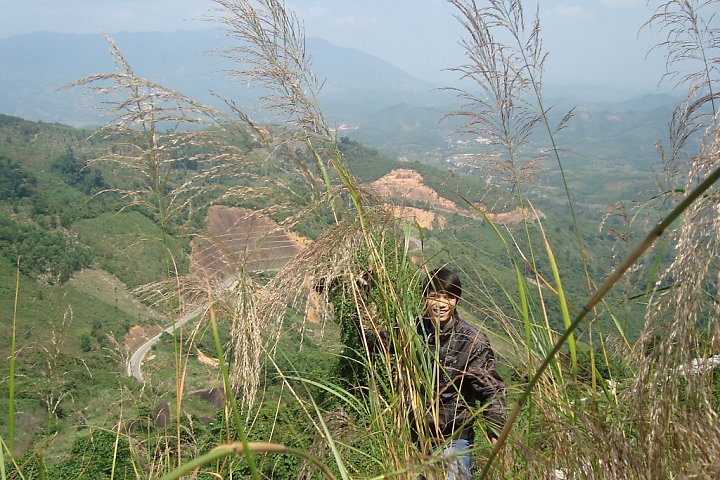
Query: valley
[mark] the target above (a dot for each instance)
(225, 275)
(124, 280)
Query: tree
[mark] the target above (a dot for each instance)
(76, 174)
(15, 181)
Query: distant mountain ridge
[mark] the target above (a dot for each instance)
(373, 101)
(36, 66)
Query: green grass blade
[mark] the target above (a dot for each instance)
(227, 450)
(337, 391)
(3, 475)
(11, 379)
(527, 325)
(524, 311)
(619, 328)
(331, 442)
(563, 305)
(599, 294)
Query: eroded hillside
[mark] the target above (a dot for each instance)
(237, 237)
(405, 193)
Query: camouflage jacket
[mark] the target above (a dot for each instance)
(467, 383)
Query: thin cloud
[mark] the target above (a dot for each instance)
(332, 17)
(314, 11)
(622, 3)
(575, 11)
(354, 20)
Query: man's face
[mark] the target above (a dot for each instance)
(439, 307)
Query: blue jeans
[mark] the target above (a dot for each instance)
(459, 466)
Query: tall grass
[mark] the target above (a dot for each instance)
(155, 134)
(11, 377)
(9, 445)
(362, 422)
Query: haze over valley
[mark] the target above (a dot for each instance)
(362, 96)
(215, 268)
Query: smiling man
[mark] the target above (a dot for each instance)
(467, 381)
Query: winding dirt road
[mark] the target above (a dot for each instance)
(134, 364)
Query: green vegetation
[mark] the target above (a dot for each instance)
(128, 245)
(74, 172)
(15, 181)
(42, 253)
(273, 380)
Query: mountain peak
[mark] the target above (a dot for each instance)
(354, 82)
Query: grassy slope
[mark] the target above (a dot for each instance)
(129, 244)
(69, 341)
(50, 323)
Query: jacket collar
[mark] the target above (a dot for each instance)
(428, 326)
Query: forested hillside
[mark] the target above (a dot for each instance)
(595, 281)
(64, 216)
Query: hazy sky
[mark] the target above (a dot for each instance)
(589, 41)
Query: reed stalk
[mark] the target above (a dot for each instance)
(230, 399)
(361, 238)
(11, 377)
(222, 451)
(602, 290)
